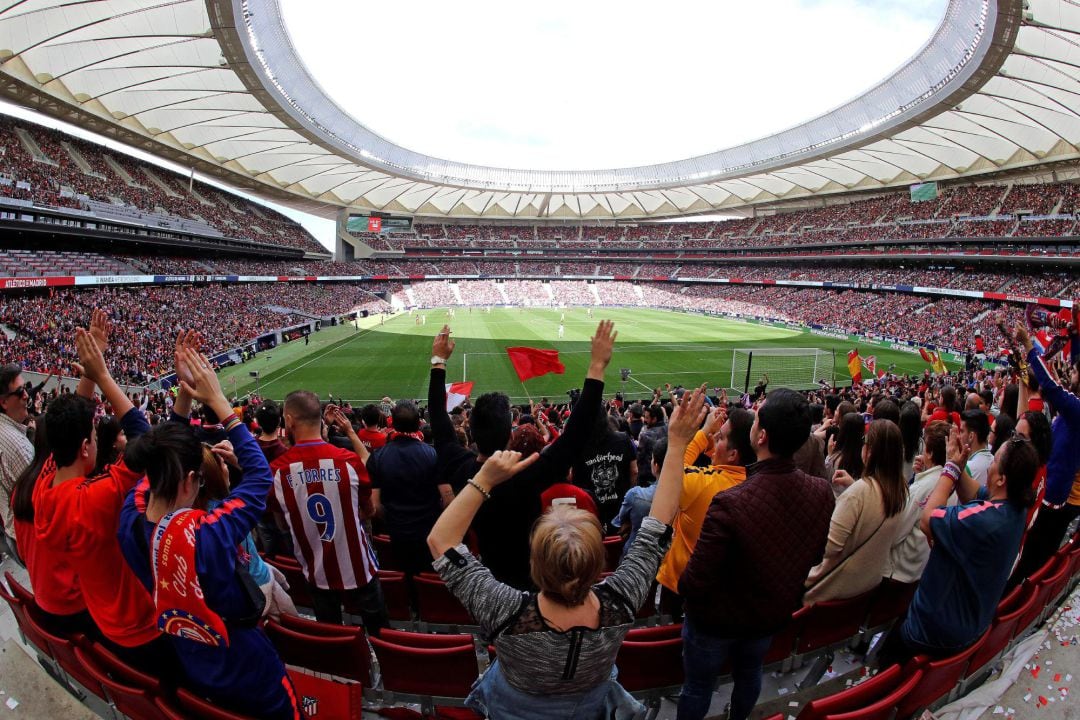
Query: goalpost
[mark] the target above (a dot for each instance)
(796, 368)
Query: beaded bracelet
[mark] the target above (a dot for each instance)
(479, 489)
(230, 422)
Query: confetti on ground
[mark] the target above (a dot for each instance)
(1027, 698)
(782, 691)
(1057, 677)
(793, 703)
(999, 710)
(12, 703)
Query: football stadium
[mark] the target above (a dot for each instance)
(429, 361)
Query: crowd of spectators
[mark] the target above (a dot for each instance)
(760, 488)
(57, 170)
(147, 318)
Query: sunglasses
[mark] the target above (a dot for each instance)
(18, 392)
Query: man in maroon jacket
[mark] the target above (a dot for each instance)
(757, 545)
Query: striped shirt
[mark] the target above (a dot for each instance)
(324, 492)
(16, 453)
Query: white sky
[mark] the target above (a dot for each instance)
(578, 85)
(567, 84)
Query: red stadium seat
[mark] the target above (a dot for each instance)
(318, 629)
(997, 638)
(828, 623)
(395, 595)
(656, 632)
(613, 547)
(858, 696)
(438, 605)
(939, 678)
(195, 708)
(63, 651)
(385, 553)
(426, 672)
(119, 670)
(885, 708)
(425, 640)
(650, 665)
(345, 656)
(18, 609)
(129, 700)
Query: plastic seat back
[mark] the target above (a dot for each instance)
(425, 640)
(997, 639)
(395, 595)
(120, 670)
(132, 701)
(195, 708)
(939, 678)
(346, 656)
(426, 671)
(385, 552)
(861, 695)
(613, 547)
(656, 632)
(315, 628)
(830, 622)
(650, 664)
(62, 650)
(437, 604)
(884, 708)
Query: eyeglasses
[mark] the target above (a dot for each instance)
(18, 392)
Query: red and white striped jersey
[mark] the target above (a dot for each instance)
(320, 489)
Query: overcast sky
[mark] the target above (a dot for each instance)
(567, 84)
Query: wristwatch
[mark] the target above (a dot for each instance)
(436, 360)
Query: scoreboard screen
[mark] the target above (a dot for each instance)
(377, 223)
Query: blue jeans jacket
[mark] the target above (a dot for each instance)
(493, 697)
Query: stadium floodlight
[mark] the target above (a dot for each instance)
(796, 368)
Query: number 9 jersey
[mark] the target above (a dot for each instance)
(325, 494)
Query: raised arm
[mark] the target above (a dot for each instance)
(687, 417)
(1063, 401)
(560, 455)
(92, 366)
(335, 417)
(442, 430)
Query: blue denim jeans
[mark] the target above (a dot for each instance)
(703, 657)
(493, 697)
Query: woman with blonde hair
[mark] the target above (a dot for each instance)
(556, 647)
(866, 521)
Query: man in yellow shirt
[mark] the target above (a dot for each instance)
(726, 439)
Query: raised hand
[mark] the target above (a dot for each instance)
(602, 344)
(956, 451)
(716, 418)
(443, 346)
(189, 339)
(841, 478)
(91, 359)
(204, 386)
(224, 450)
(100, 327)
(686, 418)
(1022, 335)
(503, 465)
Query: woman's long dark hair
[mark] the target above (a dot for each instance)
(108, 429)
(166, 454)
(910, 429)
(849, 442)
(23, 492)
(885, 464)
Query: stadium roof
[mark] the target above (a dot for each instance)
(216, 84)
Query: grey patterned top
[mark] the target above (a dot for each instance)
(534, 657)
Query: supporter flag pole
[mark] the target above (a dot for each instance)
(527, 395)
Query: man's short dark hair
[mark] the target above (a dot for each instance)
(405, 416)
(659, 450)
(635, 410)
(977, 422)
(886, 409)
(490, 422)
(785, 416)
(831, 401)
(1019, 463)
(268, 416)
(948, 398)
(371, 415)
(741, 421)
(8, 374)
(68, 421)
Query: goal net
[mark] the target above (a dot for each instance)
(796, 368)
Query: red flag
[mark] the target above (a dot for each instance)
(532, 362)
(374, 224)
(927, 357)
(980, 344)
(457, 393)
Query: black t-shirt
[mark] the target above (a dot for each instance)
(605, 472)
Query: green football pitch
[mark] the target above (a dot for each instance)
(365, 363)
